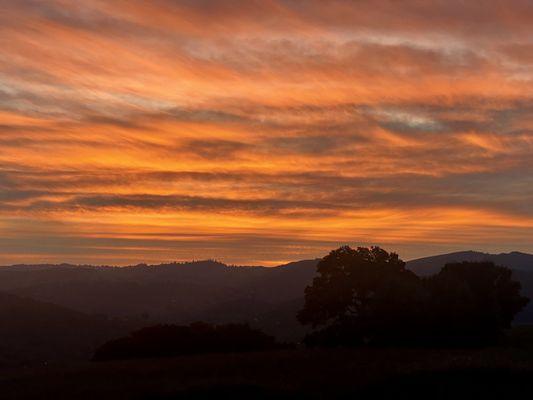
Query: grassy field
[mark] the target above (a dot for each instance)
(315, 373)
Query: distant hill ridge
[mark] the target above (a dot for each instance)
(430, 265)
(424, 266)
(199, 263)
(211, 291)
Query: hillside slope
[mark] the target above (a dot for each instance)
(174, 293)
(268, 298)
(36, 332)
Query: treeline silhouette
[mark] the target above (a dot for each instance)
(196, 338)
(362, 296)
(367, 296)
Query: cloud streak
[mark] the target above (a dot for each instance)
(266, 131)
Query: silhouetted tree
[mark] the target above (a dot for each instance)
(472, 301)
(366, 295)
(173, 340)
(361, 295)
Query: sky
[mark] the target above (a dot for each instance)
(260, 132)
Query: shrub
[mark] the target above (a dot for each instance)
(174, 340)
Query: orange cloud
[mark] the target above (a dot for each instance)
(260, 132)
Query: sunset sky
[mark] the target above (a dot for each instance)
(260, 132)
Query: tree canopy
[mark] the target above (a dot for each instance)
(366, 295)
(473, 300)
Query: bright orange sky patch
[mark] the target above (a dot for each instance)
(262, 132)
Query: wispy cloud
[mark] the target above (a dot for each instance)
(263, 131)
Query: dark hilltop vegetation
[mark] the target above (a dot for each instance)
(342, 325)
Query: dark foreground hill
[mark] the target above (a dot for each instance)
(368, 373)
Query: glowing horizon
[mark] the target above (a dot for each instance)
(261, 132)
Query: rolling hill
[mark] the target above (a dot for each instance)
(34, 332)
(268, 298)
(173, 293)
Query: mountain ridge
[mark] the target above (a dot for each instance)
(465, 255)
(200, 263)
(430, 265)
(266, 297)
